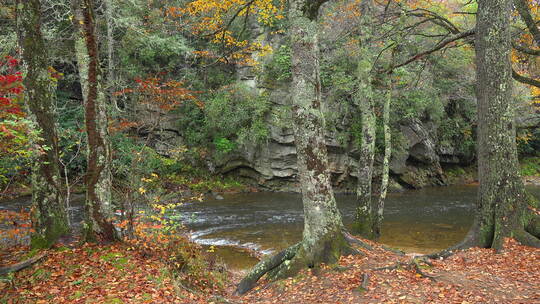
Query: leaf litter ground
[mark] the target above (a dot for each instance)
(116, 274)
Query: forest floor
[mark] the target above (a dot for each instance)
(119, 274)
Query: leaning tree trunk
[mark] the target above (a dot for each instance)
(503, 206)
(49, 217)
(98, 225)
(323, 240)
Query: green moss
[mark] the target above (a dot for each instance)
(76, 295)
(116, 259)
(39, 242)
(280, 68)
(530, 166)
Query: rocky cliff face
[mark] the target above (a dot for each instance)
(272, 164)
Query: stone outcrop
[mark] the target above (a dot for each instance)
(273, 164)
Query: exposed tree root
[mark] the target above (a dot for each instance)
(469, 241)
(352, 240)
(527, 239)
(415, 262)
(365, 282)
(289, 261)
(264, 266)
(533, 226)
(22, 265)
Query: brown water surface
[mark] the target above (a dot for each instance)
(420, 221)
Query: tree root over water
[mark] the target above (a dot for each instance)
(264, 266)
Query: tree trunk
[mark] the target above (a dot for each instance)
(503, 205)
(386, 160)
(365, 213)
(109, 9)
(323, 240)
(365, 216)
(98, 225)
(49, 218)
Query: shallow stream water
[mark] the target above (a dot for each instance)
(419, 221)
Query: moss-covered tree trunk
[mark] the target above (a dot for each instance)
(322, 237)
(365, 215)
(98, 225)
(109, 9)
(366, 210)
(323, 240)
(386, 161)
(503, 205)
(49, 217)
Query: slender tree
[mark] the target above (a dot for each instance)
(365, 215)
(323, 239)
(98, 225)
(49, 218)
(503, 207)
(368, 215)
(386, 159)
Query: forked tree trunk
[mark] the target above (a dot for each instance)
(323, 240)
(49, 217)
(98, 225)
(503, 204)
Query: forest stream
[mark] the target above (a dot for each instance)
(419, 221)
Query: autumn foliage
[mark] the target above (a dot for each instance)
(11, 113)
(214, 20)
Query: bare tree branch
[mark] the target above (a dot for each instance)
(437, 47)
(523, 8)
(525, 80)
(525, 49)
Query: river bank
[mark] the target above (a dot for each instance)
(116, 274)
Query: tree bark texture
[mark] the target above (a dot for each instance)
(365, 215)
(502, 203)
(366, 210)
(98, 225)
(323, 240)
(386, 160)
(322, 237)
(49, 217)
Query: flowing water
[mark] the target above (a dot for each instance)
(420, 221)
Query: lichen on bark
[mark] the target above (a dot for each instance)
(98, 224)
(323, 240)
(503, 206)
(49, 217)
